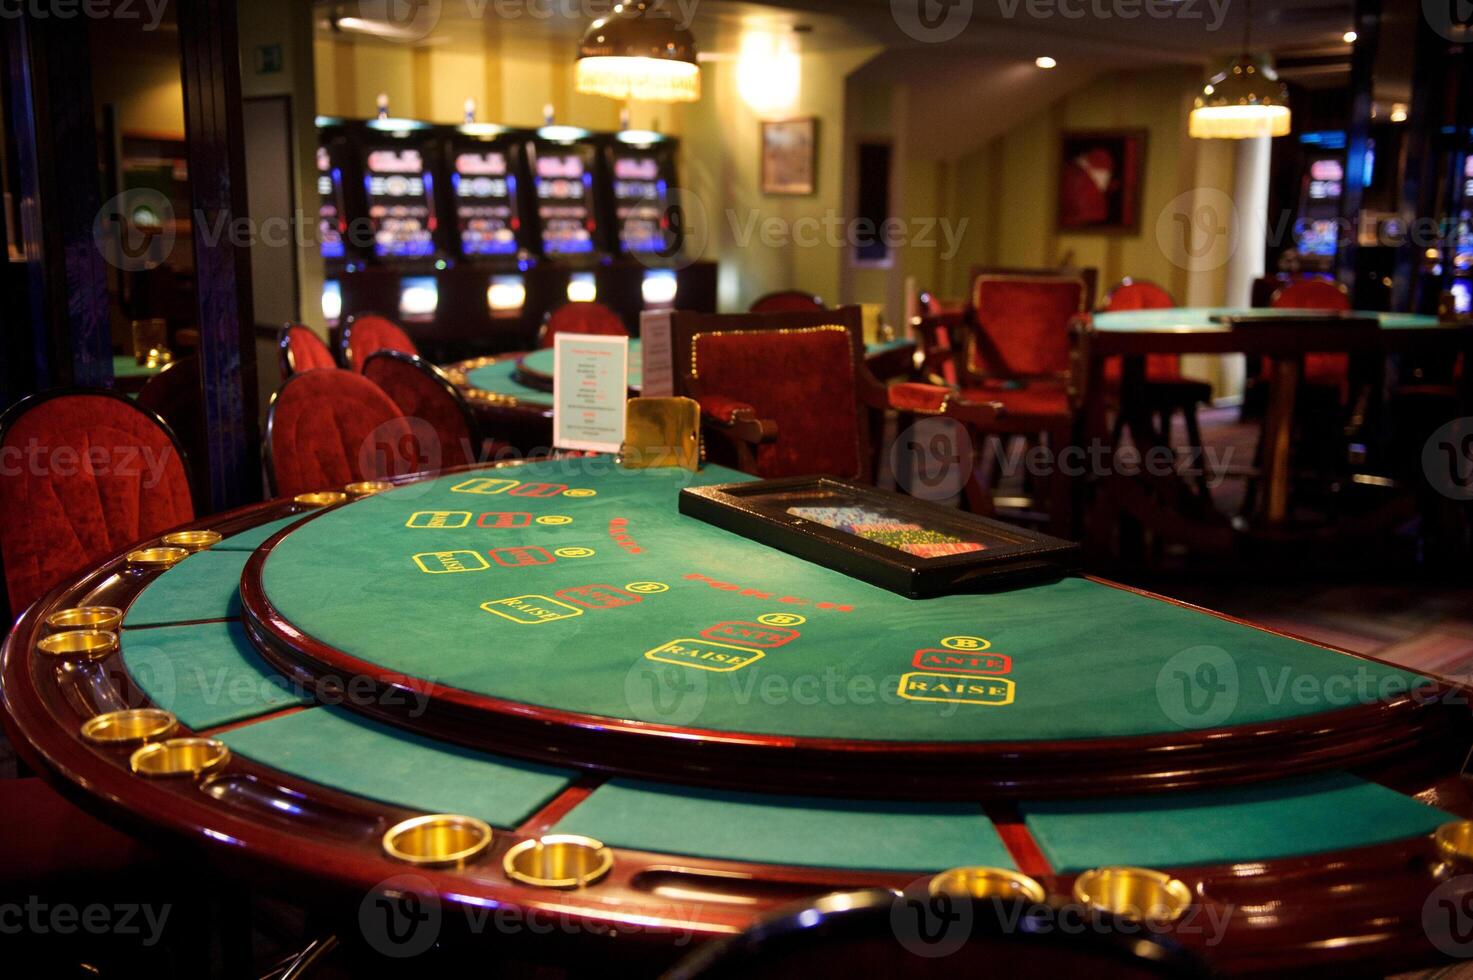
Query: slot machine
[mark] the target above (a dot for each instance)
(647, 231)
(333, 232)
(562, 160)
(488, 295)
(1317, 225)
(394, 240)
(1461, 280)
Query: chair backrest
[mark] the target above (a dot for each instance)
(328, 427)
(364, 333)
(1088, 273)
(85, 474)
(300, 349)
(1137, 294)
(800, 370)
(1022, 324)
(1312, 294)
(423, 392)
(786, 301)
(581, 317)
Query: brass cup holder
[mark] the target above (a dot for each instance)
(148, 559)
(367, 488)
(79, 644)
(321, 498)
(192, 541)
(1134, 894)
(129, 725)
(987, 883)
(86, 618)
(443, 839)
(558, 861)
(179, 757)
(1455, 841)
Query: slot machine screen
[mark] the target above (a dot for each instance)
(640, 192)
(565, 203)
(485, 203)
(1316, 233)
(400, 203)
(329, 207)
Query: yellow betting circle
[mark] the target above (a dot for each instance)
(554, 519)
(580, 492)
(969, 643)
(782, 619)
(646, 588)
(574, 552)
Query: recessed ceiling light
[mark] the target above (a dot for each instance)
(1045, 61)
(1349, 37)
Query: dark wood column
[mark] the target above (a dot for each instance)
(62, 327)
(210, 58)
(1358, 134)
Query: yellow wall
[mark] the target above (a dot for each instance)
(1009, 184)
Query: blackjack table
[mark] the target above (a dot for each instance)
(541, 690)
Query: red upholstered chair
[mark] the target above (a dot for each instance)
(581, 317)
(423, 392)
(300, 349)
(364, 333)
(786, 301)
(1328, 370)
(1167, 390)
(787, 393)
(85, 474)
(328, 427)
(1019, 352)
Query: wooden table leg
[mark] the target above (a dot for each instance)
(1278, 436)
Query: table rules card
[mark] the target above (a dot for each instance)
(590, 384)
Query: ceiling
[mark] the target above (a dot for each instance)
(1104, 30)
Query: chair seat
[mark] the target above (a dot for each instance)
(45, 835)
(1035, 398)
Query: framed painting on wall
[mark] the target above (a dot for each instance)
(789, 156)
(1100, 175)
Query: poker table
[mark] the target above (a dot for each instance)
(541, 689)
(1281, 338)
(512, 392)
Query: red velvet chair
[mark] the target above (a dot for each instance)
(1328, 370)
(786, 301)
(424, 393)
(327, 428)
(581, 317)
(788, 394)
(300, 349)
(86, 474)
(1019, 352)
(1168, 391)
(364, 333)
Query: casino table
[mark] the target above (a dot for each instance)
(540, 688)
(1133, 335)
(511, 392)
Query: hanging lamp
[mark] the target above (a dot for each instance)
(638, 52)
(1243, 102)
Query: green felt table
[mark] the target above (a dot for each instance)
(1207, 318)
(609, 603)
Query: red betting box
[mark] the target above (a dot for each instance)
(504, 519)
(750, 634)
(963, 663)
(522, 554)
(598, 596)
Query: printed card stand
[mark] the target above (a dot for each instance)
(909, 546)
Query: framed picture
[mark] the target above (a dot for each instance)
(789, 156)
(1100, 180)
(909, 546)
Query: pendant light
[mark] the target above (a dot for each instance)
(1243, 102)
(638, 52)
